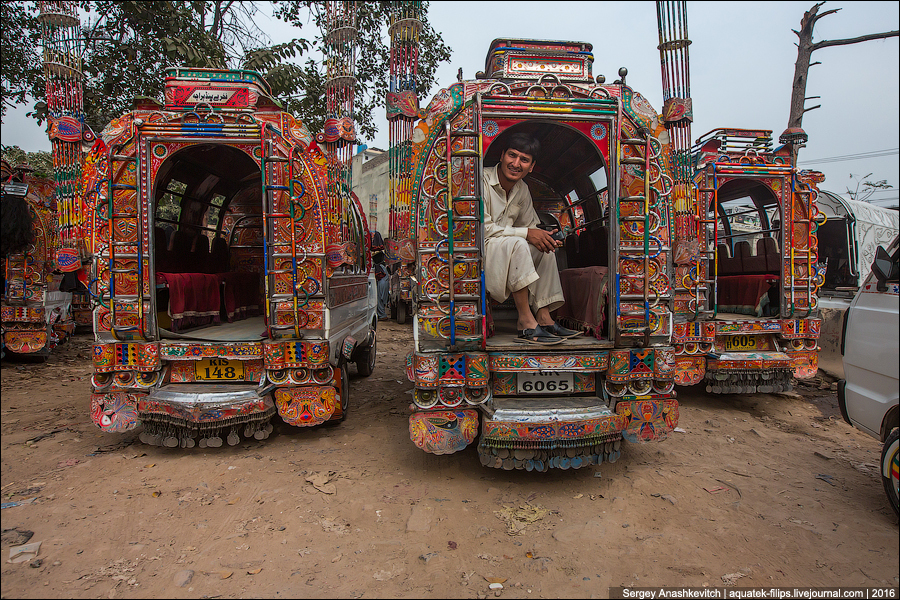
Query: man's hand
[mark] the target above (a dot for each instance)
(543, 240)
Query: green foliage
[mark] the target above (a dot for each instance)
(129, 44)
(22, 72)
(169, 205)
(41, 161)
(372, 63)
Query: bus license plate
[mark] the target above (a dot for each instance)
(219, 368)
(545, 382)
(737, 343)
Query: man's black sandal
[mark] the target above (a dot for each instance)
(538, 335)
(561, 332)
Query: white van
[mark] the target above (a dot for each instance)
(847, 243)
(868, 395)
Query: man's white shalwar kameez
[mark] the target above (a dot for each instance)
(511, 263)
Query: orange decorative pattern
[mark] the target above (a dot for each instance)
(306, 406)
(649, 420)
(443, 432)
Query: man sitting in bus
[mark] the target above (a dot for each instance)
(519, 257)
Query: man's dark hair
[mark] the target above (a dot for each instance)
(525, 143)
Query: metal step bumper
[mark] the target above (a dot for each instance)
(205, 411)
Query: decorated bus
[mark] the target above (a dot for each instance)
(602, 178)
(744, 253)
(36, 312)
(747, 272)
(231, 269)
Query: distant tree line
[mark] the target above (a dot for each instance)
(129, 44)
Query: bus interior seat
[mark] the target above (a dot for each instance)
(200, 253)
(219, 256)
(768, 247)
(753, 263)
(742, 252)
(161, 248)
(587, 249)
(727, 264)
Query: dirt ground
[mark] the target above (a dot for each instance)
(759, 490)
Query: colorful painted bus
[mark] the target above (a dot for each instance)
(745, 258)
(36, 313)
(232, 277)
(603, 178)
(746, 267)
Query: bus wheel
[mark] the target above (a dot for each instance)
(365, 364)
(401, 312)
(345, 390)
(890, 464)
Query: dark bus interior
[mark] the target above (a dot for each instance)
(208, 245)
(569, 189)
(838, 247)
(835, 251)
(747, 247)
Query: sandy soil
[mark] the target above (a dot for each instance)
(761, 490)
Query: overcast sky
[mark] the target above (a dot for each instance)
(741, 67)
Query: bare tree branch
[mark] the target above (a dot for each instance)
(805, 48)
(816, 17)
(217, 18)
(856, 40)
(225, 10)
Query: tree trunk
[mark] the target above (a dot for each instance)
(801, 67)
(805, 48)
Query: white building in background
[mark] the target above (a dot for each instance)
(370, 179)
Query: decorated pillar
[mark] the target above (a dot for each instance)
(691, 221)
(340, 130)
(402, 105)
(61, 32)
